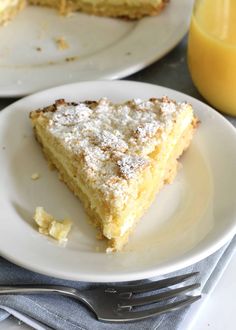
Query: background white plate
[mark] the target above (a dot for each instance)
(104, 48)
(189, 219)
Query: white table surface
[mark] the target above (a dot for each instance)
(217, 313)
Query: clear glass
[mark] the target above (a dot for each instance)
(212, 52)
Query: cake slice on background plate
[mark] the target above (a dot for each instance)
(115, 157)
(114, 8)
(9, 8)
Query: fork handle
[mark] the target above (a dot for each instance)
(36, 289)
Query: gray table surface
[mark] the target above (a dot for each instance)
(171, 71)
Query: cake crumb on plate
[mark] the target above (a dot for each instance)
(35, 176)
(49, 226)
(61, 43)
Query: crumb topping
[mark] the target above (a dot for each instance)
(130, 164)
(113, 141)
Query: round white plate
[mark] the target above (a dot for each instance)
(102, 48)
(189, 219)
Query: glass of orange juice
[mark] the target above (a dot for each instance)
(212, 52)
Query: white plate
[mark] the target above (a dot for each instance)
(189, 219)
(104, 48)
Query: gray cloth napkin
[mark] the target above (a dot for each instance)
(58, 312)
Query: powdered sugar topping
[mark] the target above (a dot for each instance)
(113, 141)
(130, 164)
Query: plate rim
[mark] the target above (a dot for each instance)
(162, 269)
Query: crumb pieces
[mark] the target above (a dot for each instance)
(49, 226)
(42, 218)
(35, 176)
(61, 43)
(128, 53)
(3, 148)
(71, 58)
(39, 49)
(60, 230)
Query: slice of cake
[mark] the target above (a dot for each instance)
(9, 8)
(113, 8)
(115, 157)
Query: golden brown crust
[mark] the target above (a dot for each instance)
(121, 11)
(51, 108)
(104, 9)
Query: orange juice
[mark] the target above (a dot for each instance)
(212, 52)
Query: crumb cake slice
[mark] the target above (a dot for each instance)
(9, 8)
(132, 9)
(115, 157)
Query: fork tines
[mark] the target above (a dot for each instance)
(140, 301)
(151, 286)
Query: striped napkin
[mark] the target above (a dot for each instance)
(58, 312)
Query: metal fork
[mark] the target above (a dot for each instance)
(122, 303)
